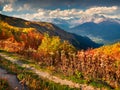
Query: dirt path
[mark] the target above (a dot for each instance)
(12, 80)
(50, 77)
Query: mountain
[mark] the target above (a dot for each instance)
(99, 28)
(107, 31)
(68, 23)
(61, 23)
(20, 25)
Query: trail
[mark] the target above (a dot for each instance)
(12, 80)
(50, 77)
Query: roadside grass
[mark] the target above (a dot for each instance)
(4, 85)
(76, 78)
(33, 81)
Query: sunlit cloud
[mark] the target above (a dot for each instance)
(99, 10)
(8, 8)
(78, 16)
(24, 7)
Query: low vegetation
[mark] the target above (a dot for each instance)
(99, 67)
(4, 85)
(27, 77)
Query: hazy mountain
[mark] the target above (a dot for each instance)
(67, 23)
(99, 28)
(63, 24)
(42, 27)
(107, 31)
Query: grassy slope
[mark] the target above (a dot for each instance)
(33, 81)
(75, 79)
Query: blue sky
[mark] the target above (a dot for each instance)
(73, 10)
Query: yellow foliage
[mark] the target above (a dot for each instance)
(110, 50)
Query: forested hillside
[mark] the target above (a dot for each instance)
(56, 51)
(44, 27)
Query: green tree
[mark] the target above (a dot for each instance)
(50, 44)
(67, 47)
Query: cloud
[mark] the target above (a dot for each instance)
(24, 7)
(73, 16)
(7, 1)
(78, 21)
(58, 13)
(112, 16)
(98, 20)
(8, 8)
(64, 4)
(99, 10)
(7, 5)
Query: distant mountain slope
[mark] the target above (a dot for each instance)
(108, 31)
(42, 27)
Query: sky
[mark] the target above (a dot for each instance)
(74, 11)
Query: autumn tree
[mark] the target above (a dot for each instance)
(49, 44)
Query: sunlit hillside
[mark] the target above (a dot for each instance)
(57, 55)
(16, 39)
(44, 27)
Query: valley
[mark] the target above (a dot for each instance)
(43, 56)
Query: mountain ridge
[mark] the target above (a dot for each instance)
(42, 27)
(106, 30)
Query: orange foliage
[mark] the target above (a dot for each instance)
(16, 39)
(101, 64)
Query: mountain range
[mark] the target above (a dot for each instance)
(42, 27)
(103, 32)
(99, 29)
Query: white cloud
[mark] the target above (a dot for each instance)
(8, 8)
(78, 21)
(115, 16)
(98, 20)
(74, 16)
(8, 5)
(99, 10)
(57, 13)
(7, 1)
(24, 7)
